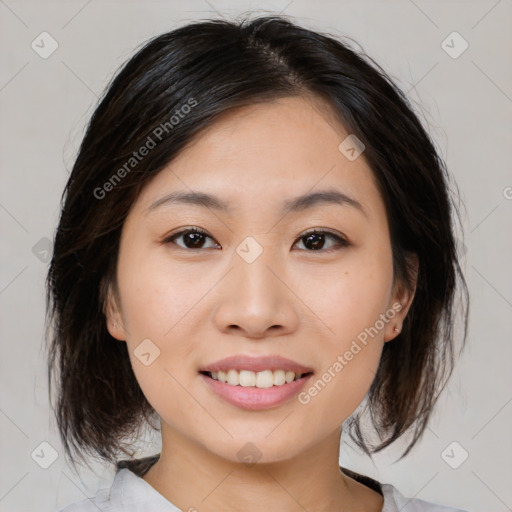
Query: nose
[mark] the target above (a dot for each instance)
(256, 301)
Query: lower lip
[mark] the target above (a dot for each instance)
(255, 399)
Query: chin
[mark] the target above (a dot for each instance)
(256, 448)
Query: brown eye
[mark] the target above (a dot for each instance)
(193, 238)
(315, 240)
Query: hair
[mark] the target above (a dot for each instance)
(176, 85)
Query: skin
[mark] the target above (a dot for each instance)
(198, 306)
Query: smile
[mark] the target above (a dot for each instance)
(262, 380)
(255, 382)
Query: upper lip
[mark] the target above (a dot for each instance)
(256, 364)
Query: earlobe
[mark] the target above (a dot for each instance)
(115, 329)
(404, 296)
(113, 318)
(394, 328)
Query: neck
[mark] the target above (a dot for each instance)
(195, 479)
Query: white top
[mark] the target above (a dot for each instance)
(131, 493)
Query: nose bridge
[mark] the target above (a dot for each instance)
(256, 266)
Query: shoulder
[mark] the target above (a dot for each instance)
(101, 501)
(128, 493)
(394, 501)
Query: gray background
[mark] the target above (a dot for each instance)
(465, 103)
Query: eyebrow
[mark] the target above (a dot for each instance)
(297, 204)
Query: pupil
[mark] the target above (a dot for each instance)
(196, 239)
(319, 242)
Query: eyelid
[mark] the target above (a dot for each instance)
(184, 231)
(323, 231)
(343, 241)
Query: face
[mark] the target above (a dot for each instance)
(249, 281)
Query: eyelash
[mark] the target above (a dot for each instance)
(341, 241)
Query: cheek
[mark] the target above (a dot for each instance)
(351, 304)
(157, 295)
(353, 295)
(157, 305)
(159, 325)
(335, 392)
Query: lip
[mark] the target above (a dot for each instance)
(255, 399)
(252, 398)
(256, 364)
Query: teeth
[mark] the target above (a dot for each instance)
(289, 376)
(233, 378)
(264, 379)
(279, 377)
(247, 378)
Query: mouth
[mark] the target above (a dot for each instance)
(255, 383)
(262, 380)
(256, 371)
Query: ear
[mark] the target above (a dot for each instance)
(403, 295)
(111, 309)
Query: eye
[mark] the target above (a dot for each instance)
(193, 238)
(314, 240)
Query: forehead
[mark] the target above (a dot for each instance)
(263, 155)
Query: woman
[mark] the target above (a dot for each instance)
(256, 237)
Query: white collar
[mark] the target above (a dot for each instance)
(134, 494)
(131, 493)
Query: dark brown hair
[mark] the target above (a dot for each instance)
(176, 85)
